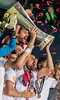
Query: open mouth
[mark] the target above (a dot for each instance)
(25, 38)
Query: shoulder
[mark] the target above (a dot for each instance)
(52, 81)
(19, 72)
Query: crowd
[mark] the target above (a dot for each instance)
(26, 77)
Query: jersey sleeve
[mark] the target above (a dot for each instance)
(10, 75)
(8, 48)
(54, 83)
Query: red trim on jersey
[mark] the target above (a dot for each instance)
(11, 81)
(26, 77)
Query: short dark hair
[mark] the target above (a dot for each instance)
(41, 60)
(57, 62)
(20, 29)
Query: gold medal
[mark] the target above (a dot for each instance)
(39, 95)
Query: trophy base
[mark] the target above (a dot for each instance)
(45, 41)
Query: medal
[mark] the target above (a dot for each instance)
(39, 95)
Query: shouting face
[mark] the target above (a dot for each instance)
(23, 35)
(31, 63)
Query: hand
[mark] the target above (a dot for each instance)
(33, 32)
(17, 30)
(28, 94)
(29, 12)
(49, 44)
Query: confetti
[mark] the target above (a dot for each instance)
(25, 3)
(39, 21)
(44, 54)
(34, 20)
(53, 48)
(58, 22)
(40, 14)
(42, 0)
(55, 29)
(50, 10)
(45, 30)
(42, 24)
(49, 2)
(57, 9)
(37, 6)
(53, 53)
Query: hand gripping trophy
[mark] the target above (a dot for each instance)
(25, 21)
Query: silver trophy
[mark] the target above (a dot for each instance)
(25, 21)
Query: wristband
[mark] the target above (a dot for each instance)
(28, 50)
(31, 43)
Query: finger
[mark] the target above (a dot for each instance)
(29, 28)
(34, 28)
(36, 31)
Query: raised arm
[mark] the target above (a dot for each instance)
(49, 58)
(20, 62)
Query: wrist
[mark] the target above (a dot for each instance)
(33, 37)
(31, 46)
(28, 50)
(47, 49)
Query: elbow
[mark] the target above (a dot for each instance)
(18, 65)
(13, 47)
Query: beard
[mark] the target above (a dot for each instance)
(23, 40)
(29, 68)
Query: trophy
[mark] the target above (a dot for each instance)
(25, 21)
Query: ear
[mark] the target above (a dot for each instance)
(39, 65)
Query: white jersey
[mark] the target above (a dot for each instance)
(2, 72)
(35, 75)
(10, 76)
(48, 83)
(35, 78)
(20, 87)
(15, 76)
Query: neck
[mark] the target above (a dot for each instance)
(26, 68)
(19, 42)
